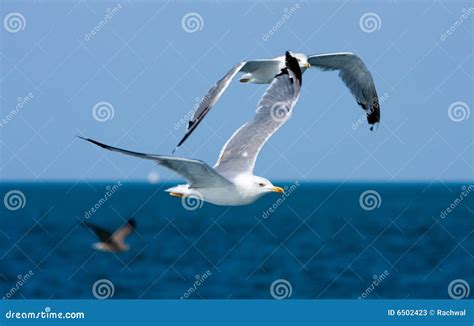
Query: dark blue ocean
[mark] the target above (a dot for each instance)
(321, 240)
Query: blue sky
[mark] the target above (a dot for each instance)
(152, 69)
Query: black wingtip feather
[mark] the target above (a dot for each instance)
(131, 223)
(293, 65)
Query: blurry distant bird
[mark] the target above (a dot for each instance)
(111, 242)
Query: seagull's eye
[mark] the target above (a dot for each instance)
(261, 184)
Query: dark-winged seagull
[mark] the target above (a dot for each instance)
(111, 241)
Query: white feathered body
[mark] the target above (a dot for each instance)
(243, 192)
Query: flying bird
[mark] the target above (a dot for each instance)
(352, 71)
(231, 181)
(111, 242)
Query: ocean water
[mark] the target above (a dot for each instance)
(321, 240)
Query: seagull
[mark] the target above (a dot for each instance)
(231, 181)
(111, 242)
(352, 71)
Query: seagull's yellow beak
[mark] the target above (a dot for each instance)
(277, 189)
(307, 65)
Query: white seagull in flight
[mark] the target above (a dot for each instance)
(352, 71)
(231, 181)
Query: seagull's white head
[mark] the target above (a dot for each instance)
(255, 186)
(302, 59)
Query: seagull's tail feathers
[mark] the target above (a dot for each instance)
(178, 191)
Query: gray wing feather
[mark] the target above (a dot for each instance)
(206, 103)
(356, 76)
(196, 172)
(240, 152)
(254, 65)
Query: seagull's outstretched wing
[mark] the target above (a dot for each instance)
(218, 89)
(357, 78)
(104, 235)
(124, 231)
(196, 172)
(240, 152)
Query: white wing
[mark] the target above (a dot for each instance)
(218, 89)
(240, 152)
(356, 76)
(196, 172)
